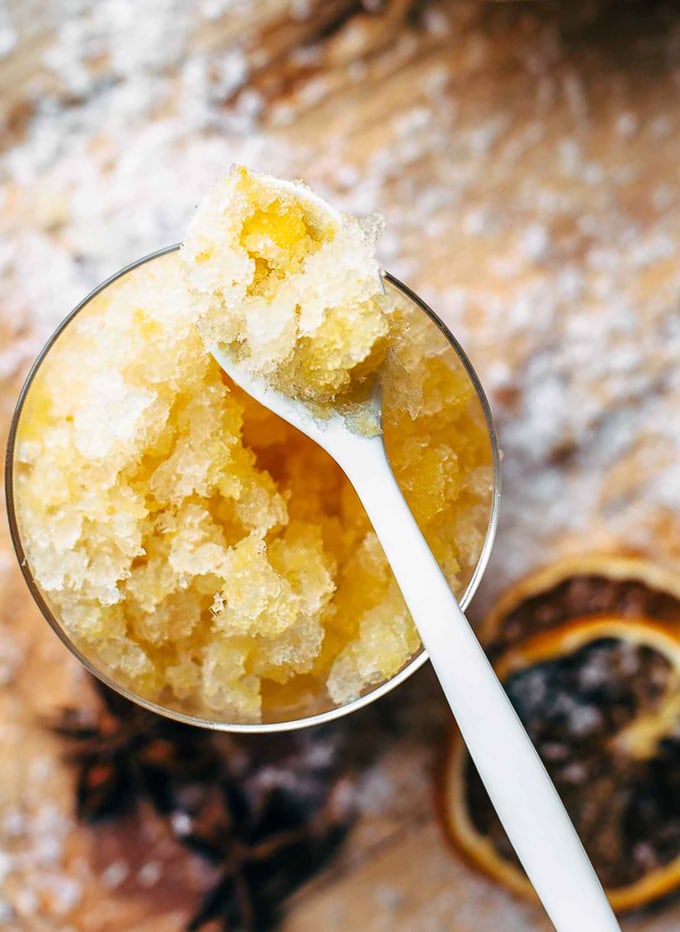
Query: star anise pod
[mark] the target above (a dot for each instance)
(268, 812)
(124, 753)
(268, 828)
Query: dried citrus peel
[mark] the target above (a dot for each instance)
(641, 740)
(578, 585)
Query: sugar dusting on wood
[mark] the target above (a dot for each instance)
(530, 189)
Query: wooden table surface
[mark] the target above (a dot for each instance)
(525, 156)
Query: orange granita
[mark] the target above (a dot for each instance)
(202, 552)
(289, 283)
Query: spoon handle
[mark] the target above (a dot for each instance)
(518, 785)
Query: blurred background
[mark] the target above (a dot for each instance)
(525, 156)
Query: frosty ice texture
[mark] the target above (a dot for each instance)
(292, 285)
(204, 553)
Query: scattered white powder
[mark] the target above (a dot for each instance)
(33, 873)
(215, 9)
(181, 823)
(26, 902)
(63, 892)
(115, 874)
(14, 823)
(150, 874)
(11, 657)
(389, 898)
(5, 866)
(558, 278)
(300, 9)
(8, 38)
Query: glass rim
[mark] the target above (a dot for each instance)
(305, 721)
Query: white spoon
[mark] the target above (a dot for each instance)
(518, 785)
(527, 803)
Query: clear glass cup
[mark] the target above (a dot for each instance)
(315, 714)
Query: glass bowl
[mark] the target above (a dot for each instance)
(323, 710)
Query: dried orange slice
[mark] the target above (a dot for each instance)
(580, 585)
(600, 698)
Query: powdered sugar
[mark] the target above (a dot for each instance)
(8, 37)
(529, 193)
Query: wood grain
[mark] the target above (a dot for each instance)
(447, 112)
